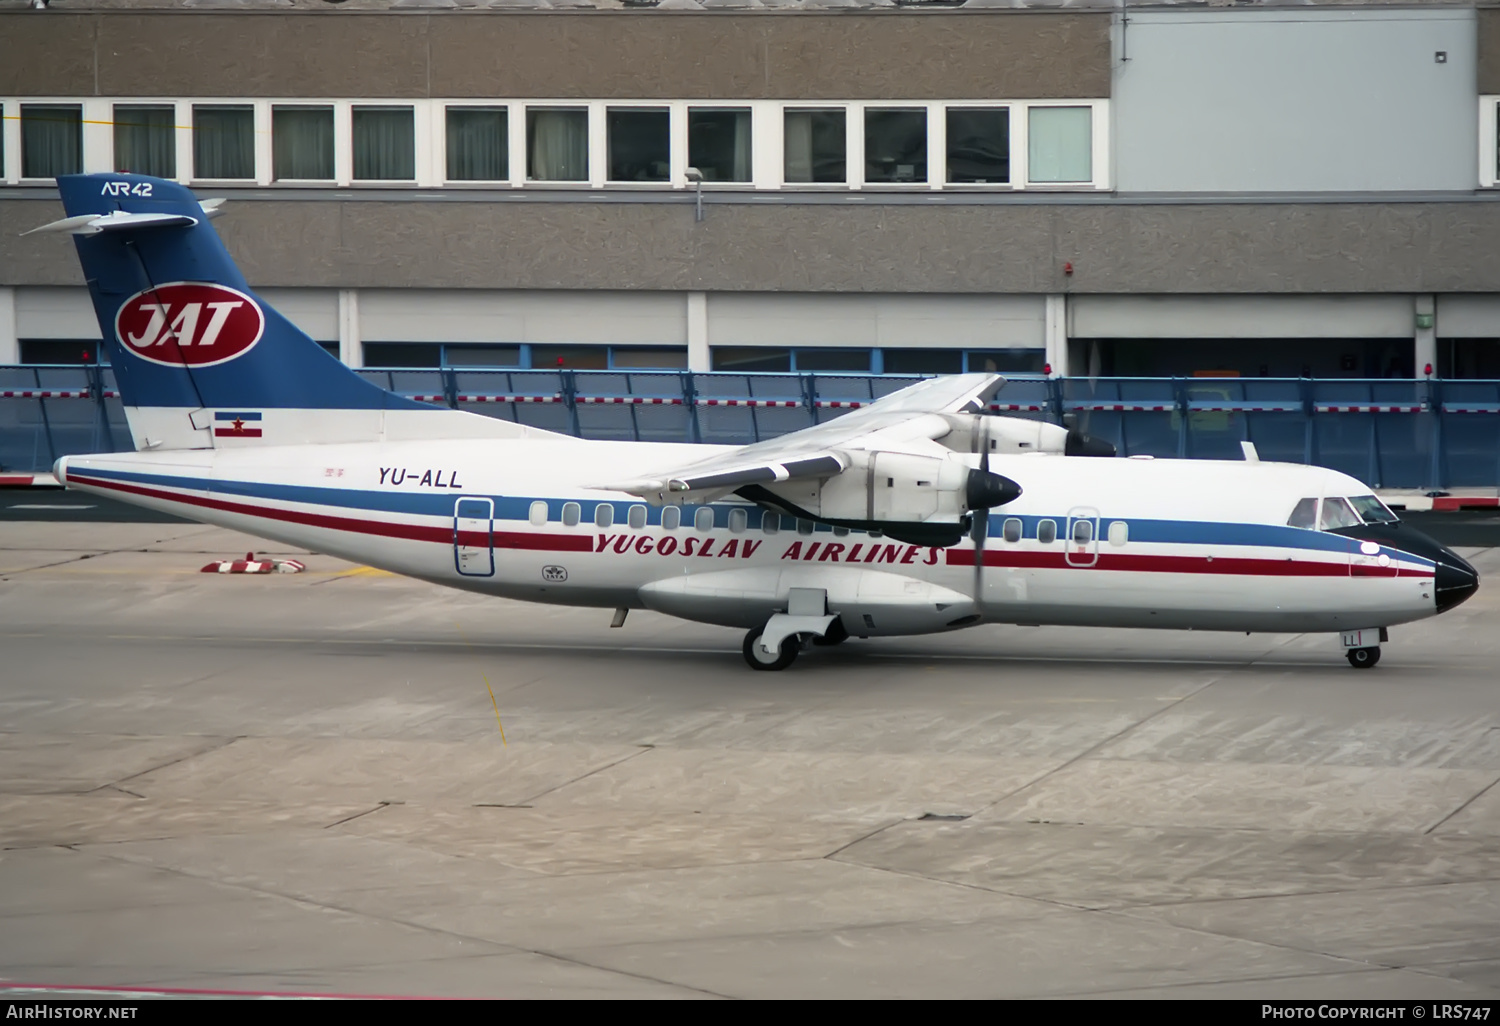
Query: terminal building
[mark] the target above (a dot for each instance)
(1052, 187)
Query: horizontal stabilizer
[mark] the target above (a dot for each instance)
(115, 221)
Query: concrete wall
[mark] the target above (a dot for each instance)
(1297, 100)
(1241, 317)
(875, 321)
(895, 247)
(601, 55)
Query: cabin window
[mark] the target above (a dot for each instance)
(1373, 510)
(1046, 531)
(538, 513)
(804, 527)
(1337, 513)
(770, 523)
(1305, 515)
(703, 520)
(1011, 530)
(1083, 532)
(637, 517)
(1119, 532)
(671, 518)
(738, 520)
(571, 513)
(841, 532)
(604, 515)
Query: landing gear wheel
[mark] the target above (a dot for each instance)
(757, 659)
(1363, 658)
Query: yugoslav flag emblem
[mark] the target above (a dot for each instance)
(189, 324)
(236, 424)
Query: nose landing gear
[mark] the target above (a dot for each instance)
(1364, 646)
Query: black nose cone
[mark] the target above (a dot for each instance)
(1454, 581)
(986, 490)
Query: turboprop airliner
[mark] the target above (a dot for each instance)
(920, 513)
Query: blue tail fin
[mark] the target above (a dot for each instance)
(191, 344)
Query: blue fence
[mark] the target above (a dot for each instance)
(1389, 433)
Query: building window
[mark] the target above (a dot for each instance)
(478, 144)
(751, 359)
(855, 361)
(51, 139)
(223, 141)
(75, 351)
(979, 144)
(642, 358)
(640, 143)
(992, 361)
(895, 145)
(482, 356)
(557, 144)
(146, 139)
(302, 143)
(570, 357)
(403, 354)
(719, 143)
(1060, 144)
(815, 146)
(923, 361)
(384, 144)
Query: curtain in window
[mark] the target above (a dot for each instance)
(51, 140)
(384, 144)
(145, 139)
(223, 141)
(302, 142)
(1060, 144)
(558, 145)
(477, 144)
(815, 146)
(797, 146)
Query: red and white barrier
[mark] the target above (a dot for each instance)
(251, 565)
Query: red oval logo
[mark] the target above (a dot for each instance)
(189, 324)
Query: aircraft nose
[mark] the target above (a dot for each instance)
(1454, 580)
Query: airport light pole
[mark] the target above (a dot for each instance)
(696, 177)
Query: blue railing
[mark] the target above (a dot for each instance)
(1390, 433)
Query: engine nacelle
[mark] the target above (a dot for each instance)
(1003, 435)
(924, 499)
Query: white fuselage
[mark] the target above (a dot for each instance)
(1136, 542)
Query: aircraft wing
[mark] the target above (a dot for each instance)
(894, 423)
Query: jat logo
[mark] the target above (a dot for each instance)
(192, 324)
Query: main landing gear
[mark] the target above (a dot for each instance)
(1363, 647)
(774, 646)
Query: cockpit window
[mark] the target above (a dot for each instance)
(1305, 515)
(1337, 513)
(1372, 510)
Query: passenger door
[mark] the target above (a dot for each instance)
(1081, 543)
(473, 541)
